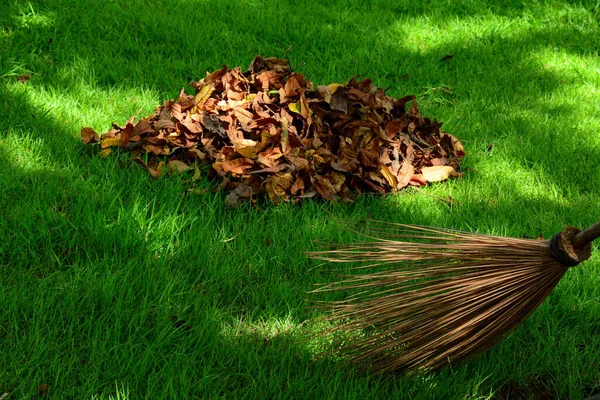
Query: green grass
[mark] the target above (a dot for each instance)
(116, 286)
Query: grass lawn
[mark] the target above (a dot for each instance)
(115, 286)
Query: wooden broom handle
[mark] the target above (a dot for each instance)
(587, 236)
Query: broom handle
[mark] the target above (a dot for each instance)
(587, 236)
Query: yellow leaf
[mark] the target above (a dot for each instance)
(203, 95)
(105, 152)
(110, 142)
(248, 148)
(295, 107)
(197, 174)
(333, 87)
(437, 173)
(389, 177)
(160, 169)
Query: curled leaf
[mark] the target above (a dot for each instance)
(110, 142)
(237, 166)
(88, 135)
(436, 173)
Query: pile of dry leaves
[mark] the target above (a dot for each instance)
(269, 130)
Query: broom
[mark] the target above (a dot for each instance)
(426, 297)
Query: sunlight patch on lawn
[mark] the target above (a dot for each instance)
(429, 33)
(26, 152)
(77, 100)
(263, 328)
(121, 393)
(29, 18)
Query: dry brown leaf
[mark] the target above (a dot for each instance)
(298, 186)
(153, 173)
(277, 186)
(88, 135)
(457, 146)
(284, 136)
(237, 166)
(238, 195)
(176, 166)
(405, 174)
(269, 157)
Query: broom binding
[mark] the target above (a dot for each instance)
(563, 249)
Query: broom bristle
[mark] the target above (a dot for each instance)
(434, 301)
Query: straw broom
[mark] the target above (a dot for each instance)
(426, 297)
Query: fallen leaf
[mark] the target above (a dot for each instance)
(213, 124)
(294, 107)
(153, 173)
(247, 148)
(88, 135)
(395, 126)
(298, 186)
(267, 79)
(277, 186)
(291, 89)
(284, 136)
(105, 152)
(325, 188)
(177, 167)
(405, 174)
(269, 157)
(238, 165)
(457, 146)
(43, 390)
(161, 168)
(338, 100)
(110, 142)
(238, 195)
(439, 161)
(142, 127)
(418, 180)
(436, 173)
(389, 176)
(203, 95)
